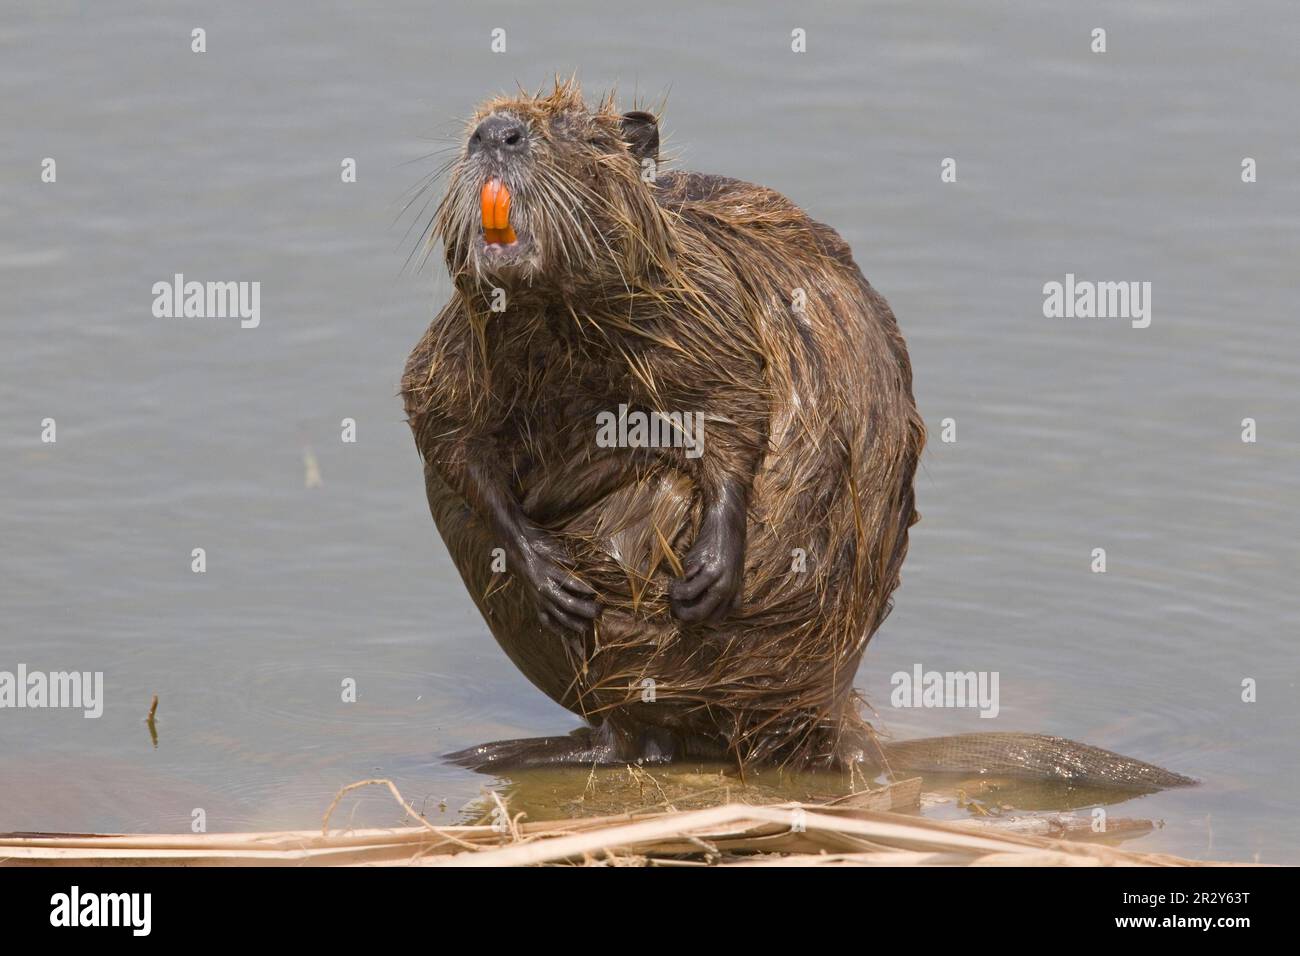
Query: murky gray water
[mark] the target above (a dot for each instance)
(1073, 434)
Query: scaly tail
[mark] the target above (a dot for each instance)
(1032, 756)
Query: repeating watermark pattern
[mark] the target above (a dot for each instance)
(623, 428)
(1085, 299)
(74, 690)
(943, 689)
(179, 299)
(637, 429)
(500, 815)
(75, 908)
(799, 301)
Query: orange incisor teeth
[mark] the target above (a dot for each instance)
(494, 204)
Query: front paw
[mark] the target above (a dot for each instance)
(562, 599)
(710, 584)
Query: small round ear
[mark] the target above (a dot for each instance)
(641, 130)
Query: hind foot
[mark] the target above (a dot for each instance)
(584, 747)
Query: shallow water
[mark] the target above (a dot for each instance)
(1072, 434)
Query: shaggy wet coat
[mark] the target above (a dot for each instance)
(668, 291)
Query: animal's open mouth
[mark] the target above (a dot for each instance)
(495, 205)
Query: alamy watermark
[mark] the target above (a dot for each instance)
(208, 300)
(1084, 299)
(626, 429)
(933, 689)
(129, 910)
(82, 690)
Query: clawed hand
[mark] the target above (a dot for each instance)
(710, 586)
(713, 571)
(562, 599)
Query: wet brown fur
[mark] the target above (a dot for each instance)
(673, 296)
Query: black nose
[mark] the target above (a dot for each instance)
(502, 134)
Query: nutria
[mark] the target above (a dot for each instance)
(687, 600)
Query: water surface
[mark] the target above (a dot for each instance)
(1071, 434)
